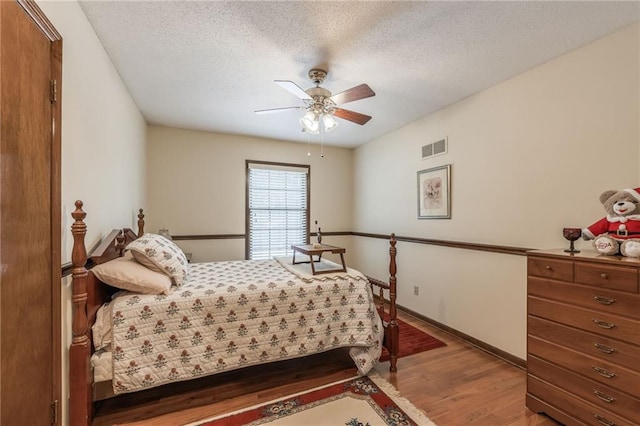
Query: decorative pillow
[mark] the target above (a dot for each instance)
(127, 274)
(161, 255)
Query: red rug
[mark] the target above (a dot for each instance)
(368, 400)
(412, 341)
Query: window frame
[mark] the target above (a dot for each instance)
(248, 163)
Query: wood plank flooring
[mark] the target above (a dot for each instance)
(455, 385)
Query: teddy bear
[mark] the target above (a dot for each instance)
(619, 231)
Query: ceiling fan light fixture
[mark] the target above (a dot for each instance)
(321, 105)
(329, 122)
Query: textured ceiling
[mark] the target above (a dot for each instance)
(208, 65)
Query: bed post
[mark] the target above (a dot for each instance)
(140, 224)
(80, 408)
(121, 243)
(394, 335)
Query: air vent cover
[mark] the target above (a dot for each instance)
(436, 148)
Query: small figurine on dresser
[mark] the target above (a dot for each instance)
(619, 231)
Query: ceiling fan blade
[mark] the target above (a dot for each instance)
(293, 88)
(356, 117)
(358, 92)
(272, 110)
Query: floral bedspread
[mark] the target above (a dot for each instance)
(239, 313)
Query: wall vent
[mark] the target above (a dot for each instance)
(436, 148)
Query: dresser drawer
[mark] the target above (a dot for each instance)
(602, 323)
(613, 277)
(589, 413)
(596, 393)
(600, 299)
(550, 268)
(608, 350)
(608, 374)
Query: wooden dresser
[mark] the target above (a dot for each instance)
(583, 342)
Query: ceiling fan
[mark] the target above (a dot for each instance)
(321, 105)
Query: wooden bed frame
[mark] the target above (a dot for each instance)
(89, 293)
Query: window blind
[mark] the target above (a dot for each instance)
(277, 208)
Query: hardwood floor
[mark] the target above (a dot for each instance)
(460, 384)
(454, 385)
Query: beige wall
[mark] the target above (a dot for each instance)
(103, 132)
(529, 156)
(196, 185)
(525, 157)
(103, 144)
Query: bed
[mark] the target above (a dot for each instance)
(224, 316)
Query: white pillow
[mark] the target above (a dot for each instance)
(162, 255)
(127, 274)
(101, 329)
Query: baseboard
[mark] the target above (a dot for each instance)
(492, 350)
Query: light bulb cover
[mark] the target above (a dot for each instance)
(310, 122)
(309, 115)
(329, 122)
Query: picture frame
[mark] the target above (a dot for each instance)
(434, 193)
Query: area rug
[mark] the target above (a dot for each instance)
(361, 401)
(412, 341)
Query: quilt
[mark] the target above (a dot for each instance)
(229, 315)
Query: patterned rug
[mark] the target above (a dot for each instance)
(412, 341)
(362, 401)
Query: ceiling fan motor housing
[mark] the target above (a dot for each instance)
(318, 92)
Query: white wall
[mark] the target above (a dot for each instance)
(529, 156)
(103, 145)
(196, 185)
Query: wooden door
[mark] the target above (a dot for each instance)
(30, 320)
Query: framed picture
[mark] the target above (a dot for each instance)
(434, 193)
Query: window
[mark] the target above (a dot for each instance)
(277, 208)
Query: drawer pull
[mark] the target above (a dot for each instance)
(604, 276)
(604, 324)
(604, 349)
(548, 268)
(604, 421)
(604, 300)
(603, 396)
(604, 373)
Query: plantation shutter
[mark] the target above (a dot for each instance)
(278, 205)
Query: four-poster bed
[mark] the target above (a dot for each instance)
(357, 319)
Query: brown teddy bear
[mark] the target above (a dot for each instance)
(619, 231)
